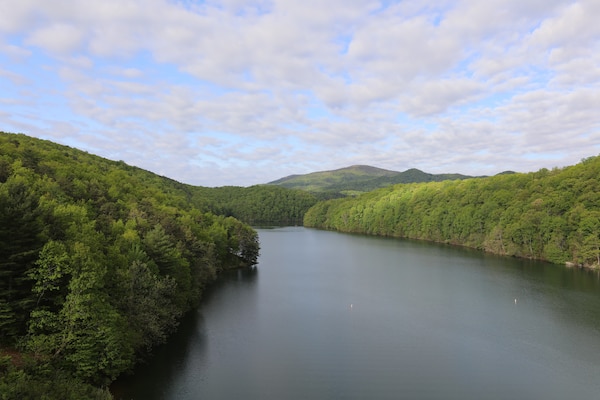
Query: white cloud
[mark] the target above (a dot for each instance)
(575, 25)
(15, 78)
(435, 97)
(185, 87)
(15, 53)
(57, 38)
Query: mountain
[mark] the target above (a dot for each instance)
(358, 178)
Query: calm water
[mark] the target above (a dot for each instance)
(333, 316)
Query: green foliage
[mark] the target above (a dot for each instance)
(258, 205)
(98, 260)
(548, 215)
(20, 240)
(148, 300)
(52, 265)
(41, 381)
(357, 179)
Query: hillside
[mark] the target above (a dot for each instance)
(256, 205)
(98, 261)
(547, 215)
(357, 179)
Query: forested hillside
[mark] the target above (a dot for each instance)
(257, 205)
(357, 179)
(549, 215)
(98, 260)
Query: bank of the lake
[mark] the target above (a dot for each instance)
(550, 215)
(326, 315)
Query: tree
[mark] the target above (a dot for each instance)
(589, 229)
(51, 267)
(163, 251)
(20, 242)
(147, 303)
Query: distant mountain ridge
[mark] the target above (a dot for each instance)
(358, 178)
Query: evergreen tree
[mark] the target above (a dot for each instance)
(20, 242)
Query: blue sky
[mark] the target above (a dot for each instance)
(233, 92)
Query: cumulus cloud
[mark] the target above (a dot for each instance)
(57, 38)
(223, 92)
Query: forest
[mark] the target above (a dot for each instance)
(257, 205)
(98, 261)
(551, 215)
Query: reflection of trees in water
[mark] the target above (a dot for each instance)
(165, 362)
(421, 290)
(565, 292)
(240, 275)
(245, 274)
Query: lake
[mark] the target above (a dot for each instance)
(327, 315)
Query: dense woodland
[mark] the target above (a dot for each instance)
(551, 215)
(257, 205)
(98, 260)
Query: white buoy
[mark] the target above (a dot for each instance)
(515, 301)
(351, 305)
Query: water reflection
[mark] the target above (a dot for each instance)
(163, 371)
(426, 321)
(171, 358)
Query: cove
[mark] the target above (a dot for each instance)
(326, 315)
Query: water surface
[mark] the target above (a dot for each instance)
(333, 316)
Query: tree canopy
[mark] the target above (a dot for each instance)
(257, 205)
(551, 215)
(98, 260)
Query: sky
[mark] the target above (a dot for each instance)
(234, 92)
